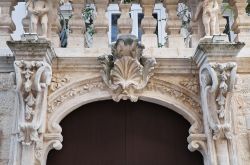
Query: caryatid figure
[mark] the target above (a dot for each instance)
(210, 10)
(38, 10)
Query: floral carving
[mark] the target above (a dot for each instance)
(217, 83)
(58, 81)
(167, 88)
(125, 71)
(191, 84)
(28, 134)
(85, 87)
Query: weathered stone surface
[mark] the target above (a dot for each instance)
(208, 86)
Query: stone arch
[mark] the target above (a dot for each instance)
(72, 96)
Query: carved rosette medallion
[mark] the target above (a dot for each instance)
(125, 71)
(217, 83)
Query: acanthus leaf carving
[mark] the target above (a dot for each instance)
(217, 83)
(125, 71)
(28, 134)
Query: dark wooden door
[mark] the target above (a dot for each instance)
(125, 133)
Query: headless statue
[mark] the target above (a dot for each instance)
(210, 9)
(38, 10)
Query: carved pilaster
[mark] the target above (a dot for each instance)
(173, 25)
(100, 37)
(217, 82)
(125, 71)
(33, 76)
(77, 25)
(148, 24)
(6, 24)
(125, 22)
(216, 60)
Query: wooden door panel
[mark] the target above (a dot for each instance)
(124, 133)
(93, 135)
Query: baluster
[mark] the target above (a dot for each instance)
(77, 25)
(175, 40)
(125, 22)
(149, 38)
(241, 24)
(100, 37)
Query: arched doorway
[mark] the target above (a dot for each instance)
(124, 133)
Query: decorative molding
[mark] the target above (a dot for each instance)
(58, 81)
(191, 84)
(82, 87)
(217, 81)
(176, 92)
(125, 71)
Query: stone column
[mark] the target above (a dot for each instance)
(124, 22)
(6, 24)
(33, 58)
(173, 25)
(148, 24)
(100, 37)
(241, 24)
(77, 25)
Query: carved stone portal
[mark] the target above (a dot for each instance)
(125, 71)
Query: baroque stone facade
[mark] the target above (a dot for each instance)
(207, 84)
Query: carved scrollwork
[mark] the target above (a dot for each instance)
(217, 82)
(32, 80)
(198, 142)
(125, 71)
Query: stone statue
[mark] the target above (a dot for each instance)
(38, 10)
(210, 9)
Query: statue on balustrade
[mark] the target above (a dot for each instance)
(210, 11)
(38, 10)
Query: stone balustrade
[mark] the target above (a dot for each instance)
(76, 38)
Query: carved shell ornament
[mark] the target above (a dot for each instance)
(125, 71)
